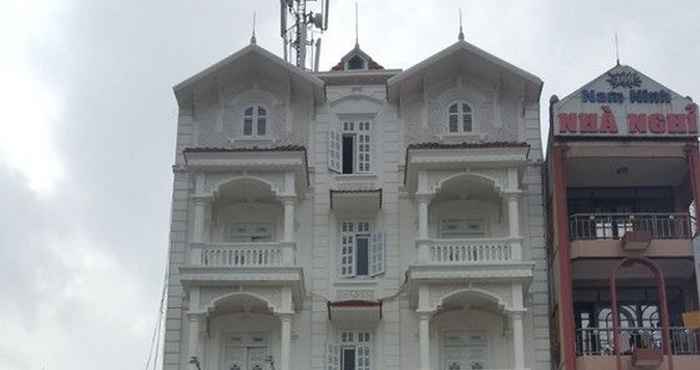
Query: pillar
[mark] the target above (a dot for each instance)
(423, 201)
(200, 208)
(560, 212)
(193, 344)
(518, 340)
(289, 203)
(285, 340)
(424, 340)
(514, 214)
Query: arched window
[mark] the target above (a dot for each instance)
(356, 62)
(255, 121)
(460, 119)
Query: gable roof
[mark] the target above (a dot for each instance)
(371, 64)
(297, 74)
(619, 68)
(468, 49)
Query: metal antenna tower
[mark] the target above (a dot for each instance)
(295, 39)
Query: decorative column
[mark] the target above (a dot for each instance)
(423, 202)
(425, 312)
(518, 340)
(201, 202)
(424, 340)
(513, 199)
(193, 344)
(289, 202)
(285, 340)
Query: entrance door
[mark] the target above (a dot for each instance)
(245, 352)
(465, 351)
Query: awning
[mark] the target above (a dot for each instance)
(358, 311)
(356, 200)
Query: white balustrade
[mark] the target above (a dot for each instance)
(243, 254)
(467, 251)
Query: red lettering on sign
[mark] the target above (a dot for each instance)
(657, 123)
(607, 121)
(692, 117)
(588, 122)
(676, 123)
(567, 122)
(637, 123)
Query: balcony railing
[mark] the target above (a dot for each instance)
(592, 226)
(600, 341)
(468, 251)
(267, 254)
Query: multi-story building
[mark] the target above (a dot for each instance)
(359, 219)
(622, 180)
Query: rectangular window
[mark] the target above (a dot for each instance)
(350, 148)
(456, 228)
(355, 351)
(248, 232)
(361, 251)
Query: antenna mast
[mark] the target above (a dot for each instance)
(295, 40)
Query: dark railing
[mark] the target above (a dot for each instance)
(600, 341)
(590, 226)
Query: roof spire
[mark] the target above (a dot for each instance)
(617, 50)
(357, 34)
(461, 33)
(252, 37)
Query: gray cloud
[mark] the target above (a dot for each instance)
(82, 265)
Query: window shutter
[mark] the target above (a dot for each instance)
(376, 265)
(332, 356)
(347, 254)
(335, 153)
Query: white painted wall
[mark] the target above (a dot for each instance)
(214, 117)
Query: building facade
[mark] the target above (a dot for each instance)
(622, 192)
(361, 218)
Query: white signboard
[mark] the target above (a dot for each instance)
(622, 103)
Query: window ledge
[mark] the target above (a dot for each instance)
(254, 139)
(356, 176)
(369, 281)
(461, 135)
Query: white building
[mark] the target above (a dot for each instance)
(358, 219)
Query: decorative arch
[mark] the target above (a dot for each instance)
(493, 181)
(271, 186)
(439, 115)
(482, 293)
(211, 306)
(661, 297)
(355, 96)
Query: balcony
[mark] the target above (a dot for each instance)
(626, 234)
(470, 258)
(220, 263)
(640, 348)
(242, 255)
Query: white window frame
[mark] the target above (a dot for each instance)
(254, 133)
(464, 225)
(446, 346)
(460, 116)
(349, 232)
(351, 339)
(365, 63)
(247, 343)
(362, 131)
(252, 231)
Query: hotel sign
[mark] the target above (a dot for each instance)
(623, 102)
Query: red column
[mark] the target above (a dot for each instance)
(691, 153)
(566, 300)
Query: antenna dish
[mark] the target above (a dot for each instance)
(318, 20)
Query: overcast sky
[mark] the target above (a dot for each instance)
(88, 127)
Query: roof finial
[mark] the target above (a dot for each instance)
(461, 33)
(252, 37)
(617, 50)
(357, 34)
